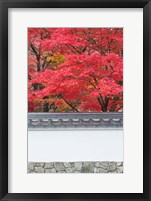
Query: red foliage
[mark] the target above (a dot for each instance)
(75, 69)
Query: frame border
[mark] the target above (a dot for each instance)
(4, 5)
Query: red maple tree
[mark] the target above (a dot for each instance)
(75, 69)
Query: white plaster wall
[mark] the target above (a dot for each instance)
(75, 145)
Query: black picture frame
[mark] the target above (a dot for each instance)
(4, 6)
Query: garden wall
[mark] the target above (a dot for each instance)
(76, 167)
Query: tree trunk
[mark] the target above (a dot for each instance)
(103, 101)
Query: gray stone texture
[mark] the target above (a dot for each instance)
(76, 167)
(39, 170)
(59, 167)
(66, 164)
(48, 165)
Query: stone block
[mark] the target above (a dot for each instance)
(48, 165)
(119, 169)
(111, 168)
(39, 164)
(59, 166)
(39, 170)
(69, 170)
(31, 166)
(66, 164)
(47, 170)
(87, 167)
(78, 165)
(53, 170)
(100, 170)
(119, 163)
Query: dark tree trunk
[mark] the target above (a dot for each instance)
(37, 56)
(103, 101)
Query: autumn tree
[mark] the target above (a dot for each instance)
(75, 69)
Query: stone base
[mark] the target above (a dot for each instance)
(76, 167)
